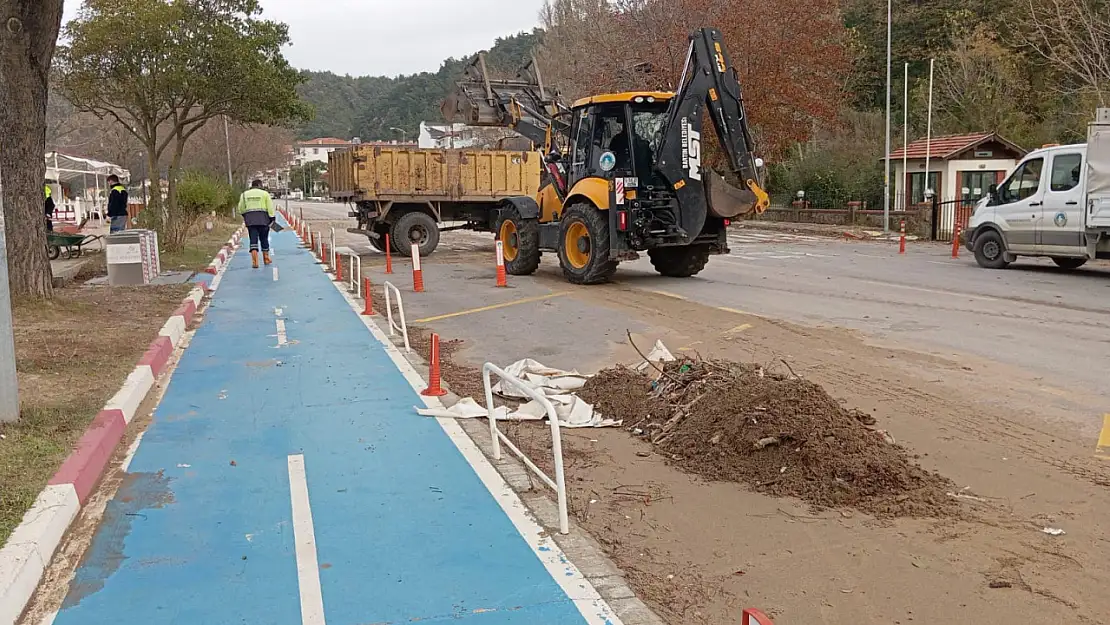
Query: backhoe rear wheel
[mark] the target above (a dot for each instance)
(520, 242)
(679, 262)
(584, 245)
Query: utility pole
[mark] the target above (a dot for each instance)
(9, 386)
(227, 141)
(886, 173)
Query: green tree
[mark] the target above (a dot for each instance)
(163, 68)
(308, 177)
(28, 33)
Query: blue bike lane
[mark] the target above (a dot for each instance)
(286, 478)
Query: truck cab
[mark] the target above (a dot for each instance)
(1045, 207)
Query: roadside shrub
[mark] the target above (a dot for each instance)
(198, 195)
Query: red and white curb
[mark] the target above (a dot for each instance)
(220, 261)
(24, 558)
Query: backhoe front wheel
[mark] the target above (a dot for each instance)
(584, 245)
(679, 262)
(520, 242)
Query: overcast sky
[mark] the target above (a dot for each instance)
(390, 37)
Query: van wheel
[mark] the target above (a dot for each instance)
(1069, 263)
(990, 251)
(584, 246)
(415, 227)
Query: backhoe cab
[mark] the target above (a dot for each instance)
(631, 177)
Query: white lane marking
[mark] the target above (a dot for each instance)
(304, 538)
(130, 455)
(282, 338)
(275, 274)
(278, 312)
(593, 608)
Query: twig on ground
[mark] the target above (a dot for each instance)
(653, 365)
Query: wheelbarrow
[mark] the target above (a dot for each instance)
(67, 245)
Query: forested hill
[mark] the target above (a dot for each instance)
(369, 106)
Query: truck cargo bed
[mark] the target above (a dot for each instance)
(376, 173)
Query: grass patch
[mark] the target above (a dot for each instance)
(72, 354)
(203, 244)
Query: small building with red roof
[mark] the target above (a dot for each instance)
(961, 167)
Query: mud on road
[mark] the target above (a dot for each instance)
(699, 550)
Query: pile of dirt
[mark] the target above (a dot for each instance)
(775, 432)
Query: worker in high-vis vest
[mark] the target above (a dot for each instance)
(257, 208)
(117, 205)
(48, 204)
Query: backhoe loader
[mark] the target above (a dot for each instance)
(624, 172)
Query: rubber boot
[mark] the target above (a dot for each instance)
(266, 257)
(254, 259)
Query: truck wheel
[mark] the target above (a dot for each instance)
(520, 241)
(379, 243)
(990, 251)
(1069, 263)
(584, 246)
(679, 262)
(415, 227)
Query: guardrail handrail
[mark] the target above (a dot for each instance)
(559, 483)
(355, 283)
(332, 254)
(393, 327)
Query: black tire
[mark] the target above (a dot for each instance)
(1069, 263)
(379, 243)
(415, 227)
(990, 251)
(53, 252)
(520, 241)
(679, 262)
(588, 261)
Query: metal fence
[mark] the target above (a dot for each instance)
(558, 483)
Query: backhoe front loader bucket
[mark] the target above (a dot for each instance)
(729, 202)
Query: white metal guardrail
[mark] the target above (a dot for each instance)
(403, 328)
(333, 255)
(355, 282)
(559, 482)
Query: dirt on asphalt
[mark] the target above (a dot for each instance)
(775, 432)
(699, 549)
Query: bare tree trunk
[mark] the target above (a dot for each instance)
(28, 35)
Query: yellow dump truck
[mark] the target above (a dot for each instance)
(413, 195)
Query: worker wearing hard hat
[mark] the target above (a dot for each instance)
(257, 208)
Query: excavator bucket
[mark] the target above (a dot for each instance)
(522, 103)
(729, 202)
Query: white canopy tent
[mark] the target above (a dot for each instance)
(80, 185)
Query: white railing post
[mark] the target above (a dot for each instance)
(403, 328)
(355, 283)
(559, 483)
(333, 256)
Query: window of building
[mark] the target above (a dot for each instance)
(917, 185)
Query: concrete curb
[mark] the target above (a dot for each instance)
(26, 555)
(225, 253)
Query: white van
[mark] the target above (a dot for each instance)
(1055, 203)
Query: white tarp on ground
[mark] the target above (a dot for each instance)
(557, 386)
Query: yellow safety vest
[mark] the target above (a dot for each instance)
(256, 200)
(48, 191)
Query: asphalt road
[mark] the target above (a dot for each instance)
(1032, 315)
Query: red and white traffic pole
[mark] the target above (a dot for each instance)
(902, 239)
(388, 257)
(417, 274)
(435, 381)
(956, 240)
(501, 281)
